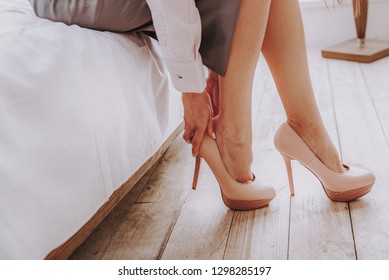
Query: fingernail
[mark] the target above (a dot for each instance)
(193, 155)
(213, 135)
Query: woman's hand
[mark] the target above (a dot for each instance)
(213, 91)
(197, 117)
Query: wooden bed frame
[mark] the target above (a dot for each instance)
(66, 249)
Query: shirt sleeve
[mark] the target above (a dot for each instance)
(178, 27)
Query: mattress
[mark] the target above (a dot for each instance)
(80, 111)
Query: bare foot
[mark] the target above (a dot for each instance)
(236, 152)
(318, 140)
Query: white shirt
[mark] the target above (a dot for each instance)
(178, 27)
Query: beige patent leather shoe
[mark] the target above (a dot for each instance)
(237, 196)
(349, 185)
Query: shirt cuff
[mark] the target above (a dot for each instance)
(188, 77)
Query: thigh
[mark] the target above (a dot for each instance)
(117, 15)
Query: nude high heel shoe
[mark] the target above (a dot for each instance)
(349, 185)
(235, 195)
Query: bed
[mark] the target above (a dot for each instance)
(83, 114)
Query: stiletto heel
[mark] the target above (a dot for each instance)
(235, 195)
(196, 172)
(346, 186)
(289, 171)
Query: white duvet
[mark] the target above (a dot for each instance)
(80, 111)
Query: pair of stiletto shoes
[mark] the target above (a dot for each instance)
(349, 185)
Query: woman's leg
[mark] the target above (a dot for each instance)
(233, 125)
(285, 52)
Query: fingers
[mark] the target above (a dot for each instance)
(210, 128)
(209, 87)
(196, 141)
(216, 98)
(188, 133)
(198, 119)
(194, 135)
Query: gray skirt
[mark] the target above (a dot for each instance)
(218, 19)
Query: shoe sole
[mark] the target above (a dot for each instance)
(245, 205)
(345, 196)
(348, 195)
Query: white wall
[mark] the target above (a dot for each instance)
(324, 27)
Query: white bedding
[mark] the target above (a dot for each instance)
(80, 111)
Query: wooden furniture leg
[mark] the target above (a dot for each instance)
(359, 49)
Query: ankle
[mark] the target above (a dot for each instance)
(302, 125)
(235, 147)
(317, 139)
(236, 135)
(309, 129)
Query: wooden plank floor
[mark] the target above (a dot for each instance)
(162, 218)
